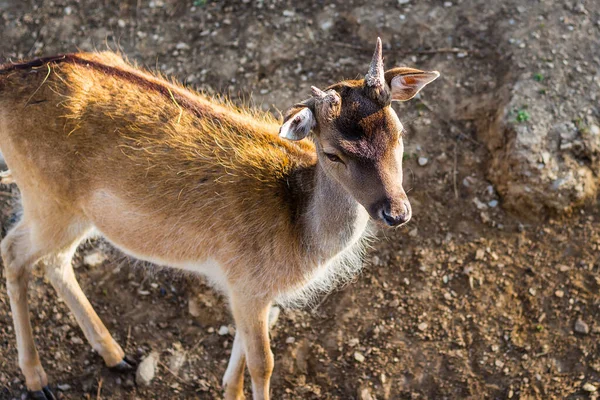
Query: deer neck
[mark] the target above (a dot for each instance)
(332, 219)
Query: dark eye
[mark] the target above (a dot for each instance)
(333, 158)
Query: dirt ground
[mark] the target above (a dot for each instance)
(465, 302)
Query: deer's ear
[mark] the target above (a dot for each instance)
(298, 123)
(407, 82)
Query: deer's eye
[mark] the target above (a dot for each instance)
(333, 158)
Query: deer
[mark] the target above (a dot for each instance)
(270, 210)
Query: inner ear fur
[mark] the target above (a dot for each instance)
(406, 82)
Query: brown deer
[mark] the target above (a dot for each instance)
(182, 180)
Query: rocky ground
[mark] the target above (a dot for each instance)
(492, 290)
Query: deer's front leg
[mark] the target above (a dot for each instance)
(252, 324)
(233, 380)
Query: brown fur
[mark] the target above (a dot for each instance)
(177, 178)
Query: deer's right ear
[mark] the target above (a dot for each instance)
(298, 123)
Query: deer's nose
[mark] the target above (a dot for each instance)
(395, 216)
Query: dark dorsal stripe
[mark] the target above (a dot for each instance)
(183, 101)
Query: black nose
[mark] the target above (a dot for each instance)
(399, 217)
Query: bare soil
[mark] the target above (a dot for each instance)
(466, 302)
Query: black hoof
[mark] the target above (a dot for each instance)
(44, 394)
(128, 364)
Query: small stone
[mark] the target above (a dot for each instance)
(76, 340)
(177, 359)
(588, 387)
(559, 293)
(413, 233)
(493, 203)
(64, 387)
(532, 291)
(290, 340)
(121, 23)
(365, 394)
(499, 363)
(193, 307)
(147, 369)
(359, 357)
(422, 326)
(581, 327)
(223, 330)
(448, 4)
(182, 46)
(68, 10)
(480, 254)
(402, 2)
(423, 161)
(94, 258)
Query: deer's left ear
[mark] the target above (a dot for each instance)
(407, 82)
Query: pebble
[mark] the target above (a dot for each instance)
(290, 340)
(559, 293)
(177, 360)
(581, 327)
(359, 357)
(422, 326)
(94, 258)
(423, 161)
(493, 203)
(147, 369)
(365, 394)
(402, 2)
(588, 387)
(64, 387)
(223, 330)
(182, 46)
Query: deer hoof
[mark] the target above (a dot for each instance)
(44, 394)
(126, 365)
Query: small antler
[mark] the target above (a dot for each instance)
(317, 92)
(375, 78)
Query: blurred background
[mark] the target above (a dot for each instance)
(491, 291)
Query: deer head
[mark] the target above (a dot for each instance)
(358, 135)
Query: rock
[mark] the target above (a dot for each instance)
(223, 330)
(422, 326)
(182, 46)
(559, 293)
(193, 307)
(94, 258)
(423, 161)
(64, 387)
(581, 327)
(365, 394)
(177, 359)
(588, 387)
(358, 356)
(147, 369)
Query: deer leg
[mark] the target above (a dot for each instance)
(18, 257)
(60, 273)
(233, 380)
(252, 321)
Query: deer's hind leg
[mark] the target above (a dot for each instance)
(49, 234)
